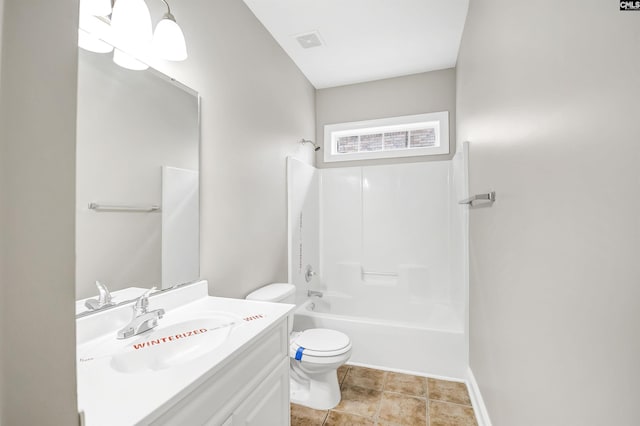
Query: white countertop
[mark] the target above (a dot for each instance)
(109, 397)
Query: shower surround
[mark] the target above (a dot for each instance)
(390, 250)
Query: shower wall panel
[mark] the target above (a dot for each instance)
(341, 227)
(386, 241)
(405, 216)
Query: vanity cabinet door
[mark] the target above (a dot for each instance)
(268, 404)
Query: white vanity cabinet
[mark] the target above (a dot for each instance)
(234, 373)
(264, 406)
(250, 388)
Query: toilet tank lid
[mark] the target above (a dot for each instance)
(272, 292)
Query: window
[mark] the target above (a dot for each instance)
(407, 136)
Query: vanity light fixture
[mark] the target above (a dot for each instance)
(90, 25)
(130, 30)
(168, 39)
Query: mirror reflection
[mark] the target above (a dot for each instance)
(137, 194)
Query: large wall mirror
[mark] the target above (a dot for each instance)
(137, 192)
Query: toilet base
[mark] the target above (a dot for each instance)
(319, 391)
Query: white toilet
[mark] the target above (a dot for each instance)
(315, 355)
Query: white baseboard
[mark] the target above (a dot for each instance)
(482, 415)
(409, 372)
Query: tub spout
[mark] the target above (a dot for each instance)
(312, 293)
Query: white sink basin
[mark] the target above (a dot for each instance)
(175, 341)
(173, 344)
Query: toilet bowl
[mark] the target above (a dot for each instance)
(315, 355)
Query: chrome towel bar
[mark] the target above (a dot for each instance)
(123, 208)
(490, 196)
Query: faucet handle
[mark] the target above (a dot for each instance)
(104, 298)
(309, 273)
(142, 302)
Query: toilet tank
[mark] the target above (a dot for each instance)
(277, 292)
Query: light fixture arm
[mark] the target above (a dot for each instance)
(168, 15)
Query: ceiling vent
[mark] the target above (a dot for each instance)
(309, 40)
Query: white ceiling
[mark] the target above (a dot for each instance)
(366, 40)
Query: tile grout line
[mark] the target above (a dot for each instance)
(452, 403)
(405, 394)
(345, 376)
(426, 387)
(426, 394)
(376, 416)
(326, 417)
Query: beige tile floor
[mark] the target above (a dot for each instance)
(374, 397)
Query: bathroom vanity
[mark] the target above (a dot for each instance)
(210, 361)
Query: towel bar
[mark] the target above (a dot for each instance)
(124, 208)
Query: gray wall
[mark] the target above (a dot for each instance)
(413, 94)
(37, 166)
(256, 105)
(548, 97)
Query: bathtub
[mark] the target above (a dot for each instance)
(436, 347)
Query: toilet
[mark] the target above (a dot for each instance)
(314, 354)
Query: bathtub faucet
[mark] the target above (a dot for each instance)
(312, 293)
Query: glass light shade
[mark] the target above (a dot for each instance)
(96, 7)
(91, 43)
(168, 41)
(127, 61)
(131, 25)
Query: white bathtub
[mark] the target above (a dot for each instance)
(436, 349)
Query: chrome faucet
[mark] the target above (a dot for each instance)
(313, 293)
(104, 298)
(143, 319)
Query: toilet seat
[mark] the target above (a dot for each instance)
(319, 343)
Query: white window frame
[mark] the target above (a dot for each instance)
(384, 125)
